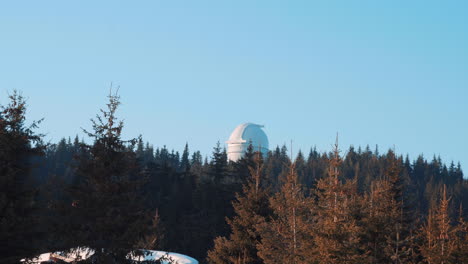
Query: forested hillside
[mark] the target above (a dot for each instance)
(354, 205)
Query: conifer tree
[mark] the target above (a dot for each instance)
(316, 167)
(241, 168)
(140, 150)
(438, 234)
(212, 202)
(185, 162)
(18, 208)
(300, 165)
(196, 166)
(250, 207)
(285, 236)
(388, 226)
(378, 222)
(107, 213)
(460, 254)
(337, 233)
(399, 226)
(218, 170)
(276, 166)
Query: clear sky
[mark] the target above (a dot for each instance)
(392, 73)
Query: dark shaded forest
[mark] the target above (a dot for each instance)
(352, 206)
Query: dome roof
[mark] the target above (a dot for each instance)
(249, 132)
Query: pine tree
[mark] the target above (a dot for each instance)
(398, 233)
(218, 169)
(241, 168)
(250, 207)
(376, 222)
(18, 208)
(276, 167)
(185, 162)
(212, 202)
(386, 223)
(438, 235)
(140, 150)
(316, 168)
(107, 213)
(460, 253)
(337, 233)
(285, 237)
(300, 165)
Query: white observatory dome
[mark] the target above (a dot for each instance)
(244, 135)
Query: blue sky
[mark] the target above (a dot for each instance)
(392, 73)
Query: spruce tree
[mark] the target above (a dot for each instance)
(19, 143)
(316, 167)
(398, 229)
(285, 236)
(387, 224)
(107, 212)
(218, 167)
(300, 165)
(460, 254)
(440, 241)
(212, 203)
(241, 168)
(337, 232)
(250, 207)
(377, 222)
(185, 162)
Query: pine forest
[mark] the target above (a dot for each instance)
(117, 195)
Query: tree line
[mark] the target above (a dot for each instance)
(118, 196)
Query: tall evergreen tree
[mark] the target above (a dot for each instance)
(218, 169)
(388, 227)
(337, 233)
(399, 237)
(300, 165)
(19, 143)
(106, 213)
(285, 237)
(460, 254)
(185, 162)
(439, 236)
(212, 202)
(241, 168)
(250, 207)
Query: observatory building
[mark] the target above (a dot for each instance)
(244, 135)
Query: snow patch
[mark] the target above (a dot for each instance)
(84, 253)
(175, 257)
